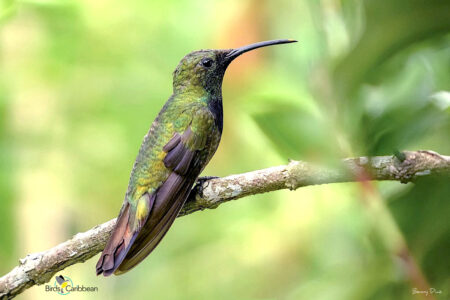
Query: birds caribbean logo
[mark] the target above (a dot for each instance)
(178, 146)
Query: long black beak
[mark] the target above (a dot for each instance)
(238, 51)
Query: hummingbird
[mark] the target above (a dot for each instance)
(180, 143)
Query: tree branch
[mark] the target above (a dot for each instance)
(39, 268)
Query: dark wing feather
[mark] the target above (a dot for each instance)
(169, 199)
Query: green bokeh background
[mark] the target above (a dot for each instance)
(81, 82)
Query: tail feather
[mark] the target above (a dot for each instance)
(106, 261)
(152, 238)
(121, 240)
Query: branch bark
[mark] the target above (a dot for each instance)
(39, 268)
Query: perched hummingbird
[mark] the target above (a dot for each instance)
(178, 146)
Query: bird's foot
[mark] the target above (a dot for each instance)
(199, 186)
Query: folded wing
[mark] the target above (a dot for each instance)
(139, 230)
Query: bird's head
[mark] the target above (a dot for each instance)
(203, 70)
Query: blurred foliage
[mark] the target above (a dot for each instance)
(428, 235)
(6, 186)
(7, 8)
(81, 81)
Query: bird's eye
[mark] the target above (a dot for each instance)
(207, 62)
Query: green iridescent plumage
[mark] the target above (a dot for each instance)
(178, 146)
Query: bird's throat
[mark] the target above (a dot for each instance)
(216, 108)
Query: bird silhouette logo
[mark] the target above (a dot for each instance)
(64, 284)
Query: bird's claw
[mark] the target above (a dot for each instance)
(198, 187)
